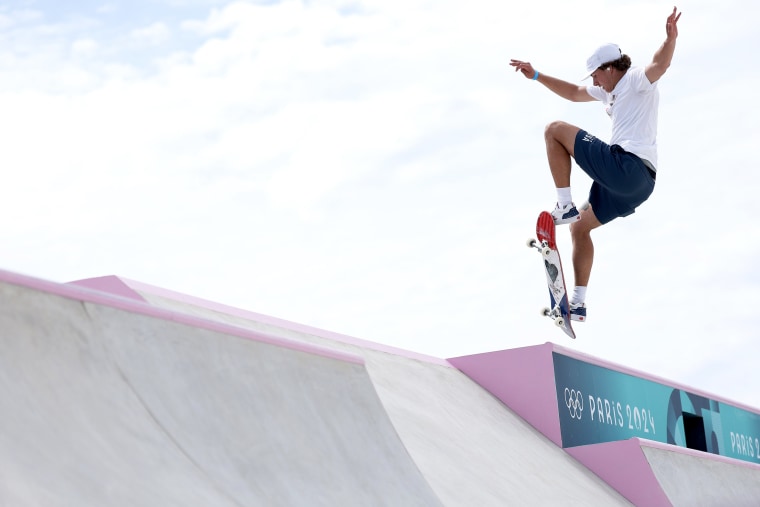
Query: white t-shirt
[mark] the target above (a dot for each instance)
(632, 105)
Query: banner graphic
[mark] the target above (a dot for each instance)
(597, 404)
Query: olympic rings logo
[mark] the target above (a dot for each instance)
(574, 403)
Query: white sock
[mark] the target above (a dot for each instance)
(579, 295)
(564, 196)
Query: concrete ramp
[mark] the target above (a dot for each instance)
(690, 478)
(111, 402)
(121, 394)
(471, 448)
(144, 398)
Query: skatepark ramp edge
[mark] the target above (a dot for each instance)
(111, 402)
(113, 383)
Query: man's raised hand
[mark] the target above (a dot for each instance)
(525, 67)
(671, 25)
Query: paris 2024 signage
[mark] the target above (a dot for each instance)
(597, 405)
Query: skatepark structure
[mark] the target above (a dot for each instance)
(119, 393)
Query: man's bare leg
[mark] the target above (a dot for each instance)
(560, 147)
(583, 247)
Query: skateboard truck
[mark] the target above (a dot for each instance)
(555, 314)
(543, 247)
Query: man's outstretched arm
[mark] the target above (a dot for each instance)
(664, 55)
(562, 88)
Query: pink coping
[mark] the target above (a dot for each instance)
(126, 301)
(623, 465)
(140, 287)
(110, 284)
(523, 379)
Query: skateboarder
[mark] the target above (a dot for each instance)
(623, 171)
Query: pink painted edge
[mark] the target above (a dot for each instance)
(523, 379)
(130, 304)
(110, 284)
(504, 373)
(623, 465)
(646, 376)
(699, 454)
(285, 324)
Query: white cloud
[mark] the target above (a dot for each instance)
(84, 47)
(153, 34)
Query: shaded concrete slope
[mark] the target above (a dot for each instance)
(699, 479)
(109, 402)
(470, 447)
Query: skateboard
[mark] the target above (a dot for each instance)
(555, 279)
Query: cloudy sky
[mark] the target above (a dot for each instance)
(374, 168)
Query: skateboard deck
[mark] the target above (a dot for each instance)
(546, 244)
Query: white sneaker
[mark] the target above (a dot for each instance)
(566, 214)
(578, 312)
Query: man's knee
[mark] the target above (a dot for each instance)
(561, 132)
(552, 130)
(581, 229)
(578, 231)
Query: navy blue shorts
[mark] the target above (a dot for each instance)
(621, 180)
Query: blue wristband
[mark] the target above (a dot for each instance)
(535, 76)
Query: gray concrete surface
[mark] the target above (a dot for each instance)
(472, 449)
(695, 481)
(112, 401)
(469, 446)
(107, 407)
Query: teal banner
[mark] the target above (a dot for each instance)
(598, 405)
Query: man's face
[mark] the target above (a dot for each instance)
(604, 77)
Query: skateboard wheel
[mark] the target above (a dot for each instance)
(546, 251)
(559, 322)
(531, 243)
(546, 311)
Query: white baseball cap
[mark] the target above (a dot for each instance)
(603, 54)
